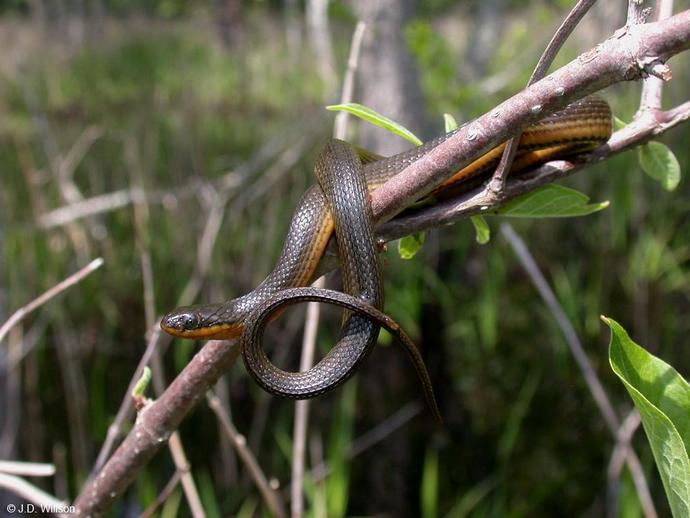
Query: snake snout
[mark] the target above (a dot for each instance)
(181, 321)
(202, 322)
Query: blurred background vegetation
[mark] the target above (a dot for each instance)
(155, 117)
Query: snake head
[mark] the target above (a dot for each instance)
(201, 322)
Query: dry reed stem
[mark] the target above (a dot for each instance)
(311, 323)
(70, 281)
(29, 492)
(595, 386)
(273, 499)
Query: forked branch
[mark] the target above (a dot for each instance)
(631, 53)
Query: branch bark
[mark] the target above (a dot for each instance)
(629, 54)
(482, 201)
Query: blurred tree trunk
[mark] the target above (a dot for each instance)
(387, 78)
(388, 82)
(488, 22)
(293, 28)
(228, 21)
(320, 39)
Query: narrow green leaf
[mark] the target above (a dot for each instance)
(171, 506)
(551, 201)
(342, 429)
(662, 397)
(481, 229)
(516, 417)
(369, 115)
(429, 488)
(659, 162)
(408, 246)
(207, 492)
(450, 123)
(619, 123)
(143, 382)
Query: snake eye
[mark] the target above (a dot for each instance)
(184, 321)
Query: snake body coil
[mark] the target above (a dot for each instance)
(580, 127)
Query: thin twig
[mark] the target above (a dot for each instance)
(577, 351)
(637, 13)
(127, 406)
(301, 423)
(618, 457)
(29, 492)
(27, 469)
(341, 118)
(273, 499)
(233, 181)
(652, 86)
(141, 222)
(162, 496)
(312, 318)
(208, 239)
(374, 436)
(70, 281)
(622, 57)
(188, 484)
(175, 445)
(320, 37)
(68, 164)
(497, 183)
(481, 201)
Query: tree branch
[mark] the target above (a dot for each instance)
(500, 176)
(629, 54)
(482, 201)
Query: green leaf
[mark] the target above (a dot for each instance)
(551, 201)
(450, 123)
(369, 115)
(342, 429)
(659, 162)
(662, 397)
(143, 382)
(429, 489)
(619, 123)
(408, 246)
(481, 229)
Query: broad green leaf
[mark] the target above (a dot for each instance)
(450, 123)
(659, 162)
(551, 201)
(662, 397)
(369, 115)
(408, 246)
(481, 229)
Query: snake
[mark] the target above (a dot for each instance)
(579, 128)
